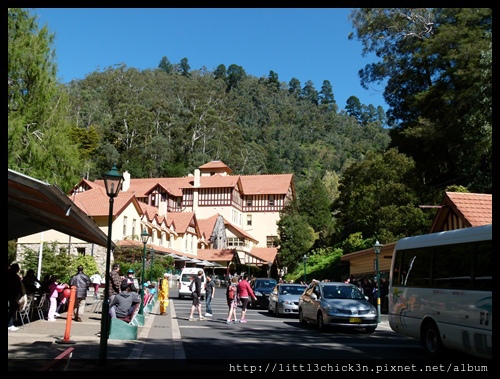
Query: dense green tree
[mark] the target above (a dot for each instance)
(273, 81)
(296, 236)
(165, 65)
(39, 143)
(326, 94)
(235, 74)
(315, 206)
(310, 93)
(54, 262)
(220, 72)
(379, 197)
(354, 108)
(438, 74)
(184, 67)
(294, 87)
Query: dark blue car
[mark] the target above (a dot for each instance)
(261, 287)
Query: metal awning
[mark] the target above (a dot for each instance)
(36, 206)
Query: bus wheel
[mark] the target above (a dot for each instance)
(431, 340)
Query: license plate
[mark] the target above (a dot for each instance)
(355, 320)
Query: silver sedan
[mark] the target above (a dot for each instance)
(284, 299)
(336, 304)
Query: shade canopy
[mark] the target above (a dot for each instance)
(36, 206)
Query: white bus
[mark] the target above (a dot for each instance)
(440, 290)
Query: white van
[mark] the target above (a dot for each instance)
(187, 275)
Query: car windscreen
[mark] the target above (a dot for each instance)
(265, 284)
(342, 292)
(187, 277)
(292, 290)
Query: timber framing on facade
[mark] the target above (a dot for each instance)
(204, 215)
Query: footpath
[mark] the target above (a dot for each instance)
(158, 346)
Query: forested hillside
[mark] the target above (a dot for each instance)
(155, 123)
(361, 174)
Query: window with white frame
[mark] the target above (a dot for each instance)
(271, 241)
(234, 241)
(124, 231)
(134, 221)
(249, 220)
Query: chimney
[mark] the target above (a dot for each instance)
(162, 208)
(126, 181)
(197, 177)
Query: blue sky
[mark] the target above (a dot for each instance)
(305, 43)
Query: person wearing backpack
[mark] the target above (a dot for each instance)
(196, 289)
(232, 299)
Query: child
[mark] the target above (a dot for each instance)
(232, 299)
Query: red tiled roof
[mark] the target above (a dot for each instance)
(476, 208)
(181, 220)
(215, 165)
(216, 181)
(265, 184)
(267, 254)
(213, 255)
(95, 202)
(242, 233)
(207, 225)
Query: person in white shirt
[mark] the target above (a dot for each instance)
(96, 283)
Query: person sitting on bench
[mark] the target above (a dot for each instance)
(122, 303)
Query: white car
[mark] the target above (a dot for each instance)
(187, 275)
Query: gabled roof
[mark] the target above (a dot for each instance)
(182, 220)
(215, 165)
(238, 231)
(266, 184)
(266, 254)
(473, 209)
(95, 202)
(216, 181)
(212, 255)
(206, 225)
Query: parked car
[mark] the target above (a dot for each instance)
(336, 304)
(261, 287)
(284, 299)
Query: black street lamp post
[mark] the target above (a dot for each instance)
(378, 247)
(112, 181)
(151, 266)
(144, 237)
(304, 258)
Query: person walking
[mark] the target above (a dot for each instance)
(209, 295)
(244, 293)
(96, 283)
(16, 291)
(196, 293)
(163, 294)
(82, 283)
(232, 299)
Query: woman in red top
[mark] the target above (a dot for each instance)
(244, 293)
